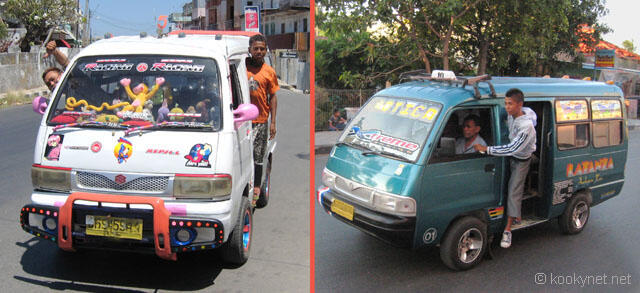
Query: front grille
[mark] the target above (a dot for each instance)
(100, 182)
(356, 190)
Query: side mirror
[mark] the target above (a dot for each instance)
(244, 112)
(39, 105)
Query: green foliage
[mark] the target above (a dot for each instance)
(515, 37)
(39, 16)
(3, 29)
(629, 46)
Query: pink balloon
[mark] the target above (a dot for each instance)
(39, 105)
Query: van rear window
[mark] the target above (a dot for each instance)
(572, 110)
(606, 109)
(395, 125)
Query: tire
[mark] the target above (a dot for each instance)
(576, 215)
(236, 250)
(464, 244)
(263, 200)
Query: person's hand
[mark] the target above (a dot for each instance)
(480, 148)
(272, 130)
(51, 47)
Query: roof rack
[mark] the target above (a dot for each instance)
(422, 74)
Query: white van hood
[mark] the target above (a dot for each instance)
(160, 151)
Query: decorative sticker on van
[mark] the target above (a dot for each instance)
(162, 66)
(199, 156)
(571, 110)
(562, 190)
(407, 109)
(605, 109)
(54, 145)
(496, 213)
(107, 67)
(123, 150)
(589, 167)
(377, 137)
(430, 235)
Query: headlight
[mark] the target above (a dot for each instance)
(51, 178)
(394, 203)
(202, 186)
(328, 178)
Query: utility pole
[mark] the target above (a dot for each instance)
(87, 26)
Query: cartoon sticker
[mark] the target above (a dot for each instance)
(123, 150)
(54, 145)
(199, 156)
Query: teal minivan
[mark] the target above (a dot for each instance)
(394, 172)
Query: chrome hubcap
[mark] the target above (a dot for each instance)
(470, 245)
(580, 215)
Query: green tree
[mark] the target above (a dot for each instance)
(38, 16)
(629, 46)
(3, 29)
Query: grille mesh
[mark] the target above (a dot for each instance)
(96, 181)
(360, 192)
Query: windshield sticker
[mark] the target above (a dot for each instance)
(574, 110)
(145, 116)
(407, 109)
(110, 60)
(96, 146)
(377, 137)
(76, 147)
(142, 67)
(107, 67)
(199, 156)
(162, 66)
(605, 109)
(176, 61)
(54, 145)
(123, 150)
(76, 113)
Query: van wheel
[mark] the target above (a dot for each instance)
(576, 215)
(464, 244)
(263, 200)
(236, 250)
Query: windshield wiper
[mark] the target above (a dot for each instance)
(386, 154)
(89, 123)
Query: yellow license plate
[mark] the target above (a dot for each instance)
(342, 208)
(114, 227)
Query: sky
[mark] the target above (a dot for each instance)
(142, 15)
(138, 16)
(621, 19)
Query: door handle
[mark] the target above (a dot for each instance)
(490, 168)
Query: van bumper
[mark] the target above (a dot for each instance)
(67, 224)
(395, 230)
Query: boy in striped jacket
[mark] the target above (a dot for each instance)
(522, 136)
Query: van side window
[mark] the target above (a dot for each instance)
(464, 128)
(607, 122)
(572, 117)
(235, 86)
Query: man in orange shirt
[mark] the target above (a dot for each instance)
(263, 85)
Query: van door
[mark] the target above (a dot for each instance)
(455, 182)
(243, 133)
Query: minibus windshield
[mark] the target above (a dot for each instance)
(392, 125)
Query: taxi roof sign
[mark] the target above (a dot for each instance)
(443, 74)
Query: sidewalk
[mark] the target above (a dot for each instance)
(326, 139)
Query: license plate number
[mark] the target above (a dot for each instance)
(342, 208)
(114, 227)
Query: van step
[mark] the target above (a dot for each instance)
(529, 194)
(527, 222)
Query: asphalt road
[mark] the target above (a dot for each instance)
(348, 260)
(279, 261)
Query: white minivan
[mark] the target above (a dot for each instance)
(146, 145)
